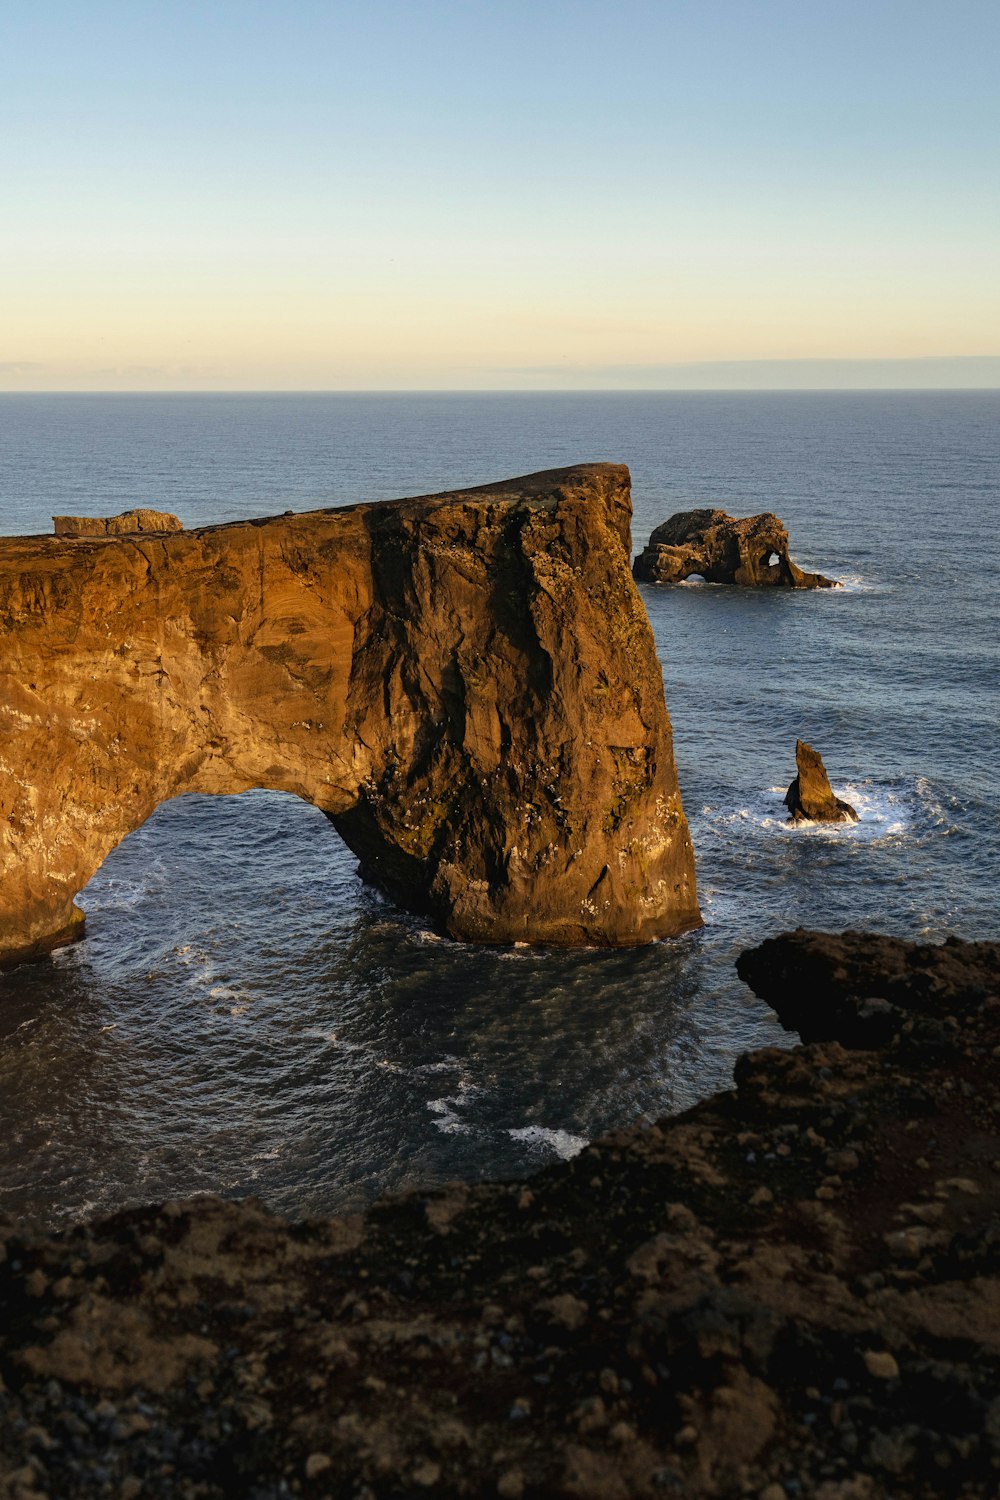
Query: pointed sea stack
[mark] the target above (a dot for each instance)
(810, 796)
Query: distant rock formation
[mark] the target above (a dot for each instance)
(721, 549)
(125, 524)
(465, 683)
(810, 796)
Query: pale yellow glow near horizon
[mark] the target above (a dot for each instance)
(355, 291)
(255, 327)
(445, 195)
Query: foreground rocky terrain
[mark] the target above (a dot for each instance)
(793, 1290)
(465, 683)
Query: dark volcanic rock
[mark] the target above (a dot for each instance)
(791, 1290)
(810, 796)
(466, 684)
(853, 985)
(722, 549)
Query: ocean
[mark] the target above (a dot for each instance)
(246, 1017)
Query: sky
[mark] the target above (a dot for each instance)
(499, 194)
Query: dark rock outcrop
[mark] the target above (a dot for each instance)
(125, 524)
(723, 549)
(465, 683)
(810, 797)
(863, 989)
(792, 1289)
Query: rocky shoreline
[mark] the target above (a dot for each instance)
(792, 1290)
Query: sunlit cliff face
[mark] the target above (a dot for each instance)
(466, 685)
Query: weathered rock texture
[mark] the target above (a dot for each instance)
(864, 990)
(722, 549)
(465, 683)
(122, 525)
(810, 796)
(795, 1284)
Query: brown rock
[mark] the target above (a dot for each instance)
(125, 524)
(752, 551)
(466, 684)
(810, 796)
(881, 1364)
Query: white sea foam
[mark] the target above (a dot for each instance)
(448, 1120)
(110, 892)
(519, 953)
(203, 975)
(222, 992)
(883, 812)
(562, 1142)
(446, 1064)
(853, 583)
(447, 1106)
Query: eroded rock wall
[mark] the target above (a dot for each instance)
(465, 683)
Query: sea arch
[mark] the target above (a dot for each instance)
(466, 684)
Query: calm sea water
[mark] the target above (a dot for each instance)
(246, 1017)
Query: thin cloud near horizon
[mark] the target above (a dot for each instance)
(965, 366)
(929, 372)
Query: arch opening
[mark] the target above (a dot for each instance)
(257, 863)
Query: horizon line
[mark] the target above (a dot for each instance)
(927, 372)
(506, 390)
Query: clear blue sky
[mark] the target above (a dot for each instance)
(445, 194)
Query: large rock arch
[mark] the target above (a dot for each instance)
(465, 683)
